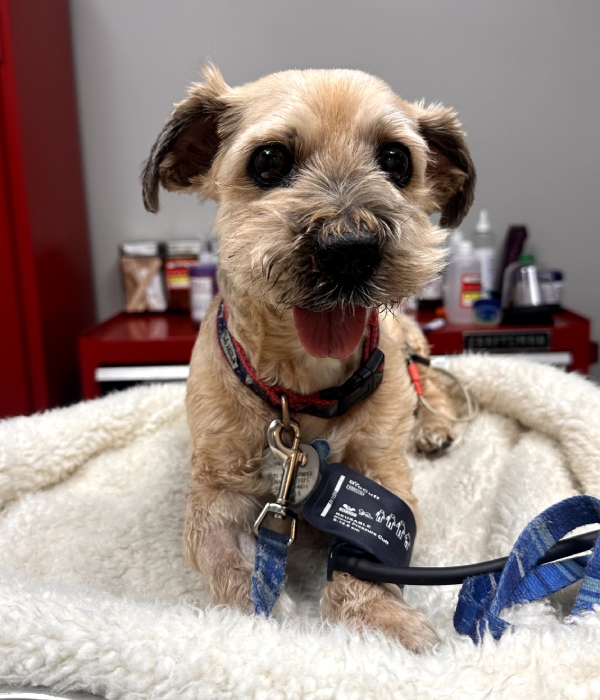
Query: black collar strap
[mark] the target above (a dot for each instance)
(328, 403)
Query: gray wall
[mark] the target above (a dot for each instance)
(523, 74)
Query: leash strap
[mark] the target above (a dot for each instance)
(271, 553)
(269, 570)
(483, 598)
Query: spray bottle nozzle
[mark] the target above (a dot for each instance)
(483, 223)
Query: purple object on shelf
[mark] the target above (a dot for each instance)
(513, 247)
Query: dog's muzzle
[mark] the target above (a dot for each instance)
(348, 258)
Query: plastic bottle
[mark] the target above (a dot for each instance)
(463, 284)
(203, 285)
(432, 294)
(485, 250)
(455, 238)
(551, 286)
(180, 255)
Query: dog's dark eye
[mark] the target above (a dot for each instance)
(269, 165)
(394, 159)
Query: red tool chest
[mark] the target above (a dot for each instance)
(141, 347)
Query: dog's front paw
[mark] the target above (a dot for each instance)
(433, 438)
(235, 591)
(367, 606)
(392, 617)
(400, 622)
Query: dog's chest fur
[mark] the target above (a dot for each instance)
(218, 397)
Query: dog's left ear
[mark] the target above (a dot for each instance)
(450, 170)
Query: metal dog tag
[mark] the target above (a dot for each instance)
(306, 475)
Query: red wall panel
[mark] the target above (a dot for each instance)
(46, 215)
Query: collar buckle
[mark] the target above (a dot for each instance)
(360, 385)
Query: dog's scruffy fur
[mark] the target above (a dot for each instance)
(334, 124)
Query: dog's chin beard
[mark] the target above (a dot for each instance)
(334, 333)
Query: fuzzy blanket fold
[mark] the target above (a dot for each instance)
(95, 594)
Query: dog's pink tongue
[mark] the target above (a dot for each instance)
(333, 333)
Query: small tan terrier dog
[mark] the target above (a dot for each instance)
(325, 180)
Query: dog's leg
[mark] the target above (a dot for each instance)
(432, 433)
(377, 606)
(378, 453)
(214, 520)
(220, 544)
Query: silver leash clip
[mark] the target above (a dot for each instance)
(291, 458)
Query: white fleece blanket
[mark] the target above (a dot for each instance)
(95, 594)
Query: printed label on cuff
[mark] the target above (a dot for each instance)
(359, 511)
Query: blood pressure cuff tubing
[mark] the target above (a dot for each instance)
(360, 513)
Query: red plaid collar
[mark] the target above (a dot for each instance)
(328, 403)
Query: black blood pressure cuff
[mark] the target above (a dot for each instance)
(359, 512)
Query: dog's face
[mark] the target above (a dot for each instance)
(325, 181)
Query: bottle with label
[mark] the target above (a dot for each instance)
(455, 238)
(431, 296)
(203, 285)
(179, 257)
(463, 284)
(485, 250)
(453, 244)
(551, 286)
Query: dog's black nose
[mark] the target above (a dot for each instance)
(349, 257)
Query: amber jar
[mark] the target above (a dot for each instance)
(179, 257)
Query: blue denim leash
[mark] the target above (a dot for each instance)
(270, 559)
(269, 570)
(483, 598)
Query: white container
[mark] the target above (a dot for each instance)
(485, 250)
(463, 285)
(455, 239)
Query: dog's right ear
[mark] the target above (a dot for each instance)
(186, 147)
